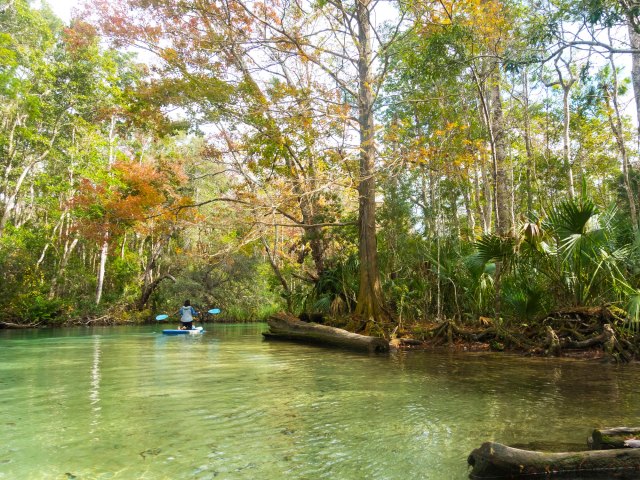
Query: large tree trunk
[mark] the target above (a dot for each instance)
(500, 178)
(370, 301)
(287, 327)
(494, 460)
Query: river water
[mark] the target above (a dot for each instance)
(130, 403)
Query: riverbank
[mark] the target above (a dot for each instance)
(607, 342)
(589, 333)
(594, 333)
(112, 321)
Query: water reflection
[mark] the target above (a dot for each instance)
(94, 393)
(229, 405)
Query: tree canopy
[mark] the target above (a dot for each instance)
(384, 165)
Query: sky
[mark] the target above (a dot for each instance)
(63, 7)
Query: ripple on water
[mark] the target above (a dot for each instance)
(124, 404)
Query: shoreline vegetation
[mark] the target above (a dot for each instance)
(595, 333)
(463, 177)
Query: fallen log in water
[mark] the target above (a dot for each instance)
(494, 460)
(619, 437)
(18, 325)
(288, 327)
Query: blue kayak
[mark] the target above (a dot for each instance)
(195, 331)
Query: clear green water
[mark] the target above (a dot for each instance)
(129, 403)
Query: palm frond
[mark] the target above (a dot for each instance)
(493, 248)
(633, 311)
(323, 304)
(571, 217)
(525, 303)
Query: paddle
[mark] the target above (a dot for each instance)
(213, 311)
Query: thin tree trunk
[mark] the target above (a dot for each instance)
(488, 196)
(487, 116)
(566, 85)
(10, 202)
(149, 289)
(278, 273)
(101, 268)
(104, 250)
(566, 145)
(477, 199)
(68, 249)
(466, 197)
(634, 40)
(611, 96)
(427, 212)
(124, 242)
(531, 167)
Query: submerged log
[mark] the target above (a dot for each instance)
(494, 460)
(288, 327)
(619, 437)
(18, 325)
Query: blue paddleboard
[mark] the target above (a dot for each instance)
(195, 331)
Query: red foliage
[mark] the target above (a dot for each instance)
(79, 36)
(138, 196)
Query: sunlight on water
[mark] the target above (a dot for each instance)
(130, 403)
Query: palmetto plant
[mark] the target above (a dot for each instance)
(587, 257)
(493, 249)
(498, 255)
(336, 289)
(525, 301)
(576, 256)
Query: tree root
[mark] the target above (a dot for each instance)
(566, 332)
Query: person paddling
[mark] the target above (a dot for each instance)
(187, 312)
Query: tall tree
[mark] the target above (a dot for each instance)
(336, 37)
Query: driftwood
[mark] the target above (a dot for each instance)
(494, 460)
(18, 325)
(619, 437)
(606, 337)
(287, 327)
(553, 342)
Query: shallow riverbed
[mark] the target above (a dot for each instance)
(130, 403)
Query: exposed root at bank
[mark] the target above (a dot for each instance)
(589, 332)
